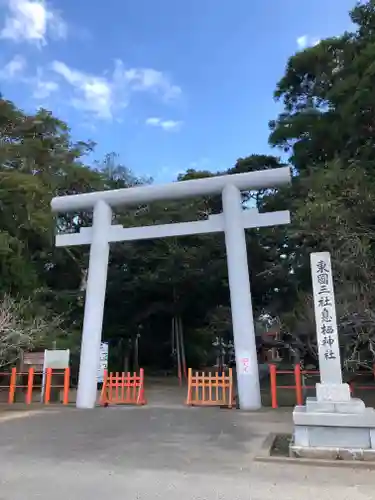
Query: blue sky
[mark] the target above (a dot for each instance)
(167, 84)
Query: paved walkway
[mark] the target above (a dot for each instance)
(172, 453)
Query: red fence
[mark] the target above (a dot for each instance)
(299, 386)
(30, 386)
(210, 389)
(123, 389)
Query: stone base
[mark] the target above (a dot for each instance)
(328, 453)
(353, 406)
(346, 425)
(333, 392)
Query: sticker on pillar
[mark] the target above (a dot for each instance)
(244, 363)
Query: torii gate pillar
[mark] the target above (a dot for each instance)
(248, 386)
(94, 306)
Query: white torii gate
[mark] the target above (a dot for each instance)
(233, 221)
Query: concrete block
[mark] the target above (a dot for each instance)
(313, 405)
(356, 454)
(301, 436)
(332, 392)
(339, 437)
(296, 451)
(372, 438)
(365, 419)
(347, 454)
(353, 406)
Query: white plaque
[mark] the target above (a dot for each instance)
(325, 318)
(57, 359)
(103, 361)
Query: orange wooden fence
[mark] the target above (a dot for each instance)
(210, 389)
(298, 387)
(123, 388)
(49, 385)
(31, 386)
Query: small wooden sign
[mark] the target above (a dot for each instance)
(32, 360)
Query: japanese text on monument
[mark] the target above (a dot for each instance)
(327, 334)
(325, 318)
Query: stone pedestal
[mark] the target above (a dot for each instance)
(334, 425)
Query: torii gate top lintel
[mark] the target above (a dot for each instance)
(175, 190)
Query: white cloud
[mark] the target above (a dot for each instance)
(103, 95)
(147, 79)
(14, 68)
(43, 87)
(100, 96)
(94, 94)
(167, 125)
(305, 41)
(32, 21)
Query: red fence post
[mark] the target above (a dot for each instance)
(48, 386)
(298, 380)
(66, 386)
(30, 383)
(273, 386)
(141, 391)
(12, 385)
(103, 394)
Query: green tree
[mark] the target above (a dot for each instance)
(38, 160)
(327, 96)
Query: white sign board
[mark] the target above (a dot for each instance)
(325, 318)
(57, 359)
(103, 361)
(244, 363)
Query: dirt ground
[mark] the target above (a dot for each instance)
(161, 451)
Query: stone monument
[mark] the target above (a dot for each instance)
(332, 425)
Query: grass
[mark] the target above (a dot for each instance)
(280, 446)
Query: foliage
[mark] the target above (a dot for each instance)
(327, 126)
(21, 329)
(327, 96)
(337, 217)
